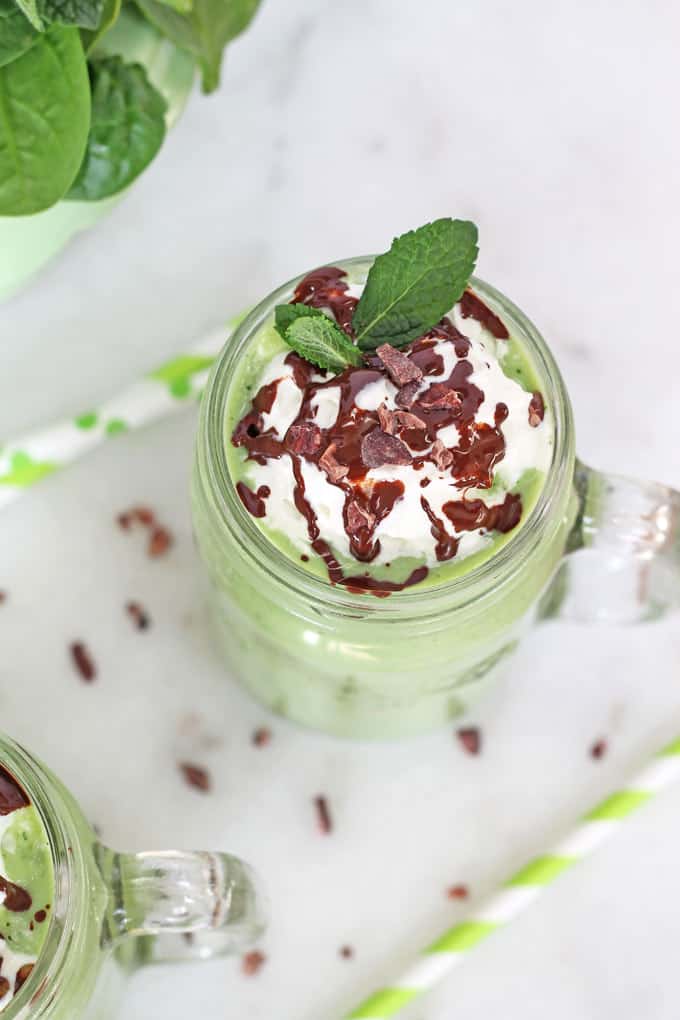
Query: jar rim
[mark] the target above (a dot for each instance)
(277, 566)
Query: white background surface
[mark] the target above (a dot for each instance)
(338, 125)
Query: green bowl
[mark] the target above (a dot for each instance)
(28, 242)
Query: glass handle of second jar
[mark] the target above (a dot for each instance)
(622, 563)
(175, 905)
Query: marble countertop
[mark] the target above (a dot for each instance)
(338, 126)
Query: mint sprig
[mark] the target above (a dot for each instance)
(318, 339)
(285, 316)
(415, 283)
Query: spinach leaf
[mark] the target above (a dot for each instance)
(108, 18)
(30, 9)
(204, 31)
(83, 13)
(17, 34)
(44, 120)
(127, 129)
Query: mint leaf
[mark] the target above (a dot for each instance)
(126, 131)
(415, 283)
(318, 339)
(284, 315)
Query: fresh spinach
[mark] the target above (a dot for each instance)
(83, 13)
(108, 18)
(44, 121)
(17, 34)
(204, 31)
(126, 132)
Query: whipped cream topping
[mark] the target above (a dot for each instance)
(372, 469)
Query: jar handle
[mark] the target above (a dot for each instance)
(175, 905)
(622, 562)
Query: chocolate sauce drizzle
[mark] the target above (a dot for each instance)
(451, 401)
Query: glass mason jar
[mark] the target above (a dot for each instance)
(113, 912)
(593, 547)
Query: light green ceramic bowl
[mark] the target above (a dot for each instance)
(28, 242)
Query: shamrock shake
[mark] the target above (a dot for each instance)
(26, 886)
(371, 487)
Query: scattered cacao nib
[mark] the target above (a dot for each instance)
(3, 597)
(470, 738)
(439, 395)
(458, 892)
(407, 395)
(346, 952)
(4, 987)
(327, 462)
(472, 307)
(23, 975)
(536, 410)
(598, 749)
(196, 776)
(442, 457)
(358, 517)
(253, 962)
(378, 449)
(304, 439)
(323, 815)
(83, 662)
(159, 542)
(144, 515)
(399, 366)
(138, 615)
(124, 520)
(262, 737)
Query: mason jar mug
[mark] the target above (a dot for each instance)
(593, 547)
(111, 912)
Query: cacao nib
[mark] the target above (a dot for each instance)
(407, 395)
(23, 975)
(138, 615)
(327, 462)
(379, 449)
(252, 962)
(439, 395)
(442, 457)
(398, 365)
(536, 410)
(457, 892)
(159, 542)
(599, 749)
(390, 421)
(346, 952)
(472, 307)
(358, 517)
(262, 737)
(304, 439)
(196, 776)
(323, 815)
(83, 661)
(470, 738)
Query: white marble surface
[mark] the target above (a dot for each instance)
(338, 125)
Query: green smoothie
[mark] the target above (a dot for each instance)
(26, 886)
(378, 520)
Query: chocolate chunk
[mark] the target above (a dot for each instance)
(378, 449)
(390, 421)
(304, 438)
(472, 307)
(327, 462)
(442, 457)
(438, 396)
(399, 366)
(471, 739)
(196, 776)
(358, 517)
(536, 410)
(407, 394)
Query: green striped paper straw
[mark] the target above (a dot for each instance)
(30, 458)
(442, 955)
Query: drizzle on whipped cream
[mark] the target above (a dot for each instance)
(415, 454)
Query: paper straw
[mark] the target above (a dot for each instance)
(30, 458)
(441, 956)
